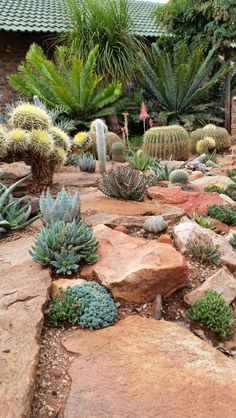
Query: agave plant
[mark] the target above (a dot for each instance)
(140, 160)
(179, 84)
(69, 82)
(162, 171)
(86, 162)
(14, 213)
(65, 207)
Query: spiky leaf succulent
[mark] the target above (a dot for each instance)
(58, 238)
(140, 160)
(220, 135)
(123, 182)
(3, 142)
(203, 249)
(162, 171)
(64, 309)
(86, 162)
(60, 138)
(99, 308)
(179, 176)
(204, 221)
(65, 262)
(41, 143)
(214, 312)
(65, 207)
(167, 142)
(232, 240)
(18, 141)
(155, 224)
(27, 116)
(223, 213)
(117, 150)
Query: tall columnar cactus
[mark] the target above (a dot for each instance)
(166, 142)
(118, 152)
(220, 135)
(101, 145)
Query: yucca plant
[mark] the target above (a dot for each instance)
(179, 83)
(69, 81)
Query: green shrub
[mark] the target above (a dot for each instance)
(122, 182)
(65, 309)
(232, 240)
(213, 312)
(99, 307)
(65, 207)
(203, 249)
(65, 246)
(223, 213)
(204, 221)
(167, 142)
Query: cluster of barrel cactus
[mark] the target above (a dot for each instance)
(218, 134)
(30, 136)
(205, 145)
(167, 142)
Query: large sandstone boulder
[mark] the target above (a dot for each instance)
(23, 295)
(189, 230)
(143, 368)
(190, 201)
(135, 269)
(222, 282)
(208, 180)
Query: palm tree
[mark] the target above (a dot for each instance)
(181, 84)
(68, 82)
(109, 24)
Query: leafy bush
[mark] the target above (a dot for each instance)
(232, 240)
(14, 212)
(65, 309)
(204, 221)
(204, 249)
(65, 246)
(99, 307)
(65, 207)
(213, 312)
(122, 182)
(214, 188)
(223, 213)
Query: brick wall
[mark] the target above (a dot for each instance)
(13, 47)
(233, 116)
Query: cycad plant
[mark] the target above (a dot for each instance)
(69, 82)
(180, 83)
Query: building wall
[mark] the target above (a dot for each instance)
(13, 47)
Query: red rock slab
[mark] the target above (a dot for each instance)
(191, 202)
(135, 269)
(143, 368)
(24, 289)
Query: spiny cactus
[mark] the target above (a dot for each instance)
(58, 156)
(117, 150)
(60, 138)
(205, 145)
(155, 224)
(29, 117)
(86, 162)
(220, 135)
(94, 123)
(14, 213)
(65, 207)
(82, 141)
(211, 164)
(41, 143)
(101, 145)
(122, 182)
(3, 142)
(179, 176)
(166, 142)
(18, 141)
(56, 243)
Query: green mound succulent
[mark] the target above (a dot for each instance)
(123, 182)
(117, 151)
(214, 312)
(231, 191)
(179, 176)
(64, 309)
(211, 164)
(223, 213)
(65, 246)
(86, 162)
(167, 142)
(65, 207)
(14, 212)
(155, 224)
(99, 307)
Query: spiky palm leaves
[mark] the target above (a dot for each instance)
(69, 81)
(179, 83)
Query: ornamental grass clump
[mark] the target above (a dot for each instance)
(65, 246)
(223, 213)
(203, 249)
(123, 182)
(213, 312)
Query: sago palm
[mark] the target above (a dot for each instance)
(68, 82)
(181, 84)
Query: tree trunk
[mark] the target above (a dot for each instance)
(227, 95)
(112, 121)
(42, 171)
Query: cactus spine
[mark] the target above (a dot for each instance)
(118, 152)
(166, 142)
(101, 145)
